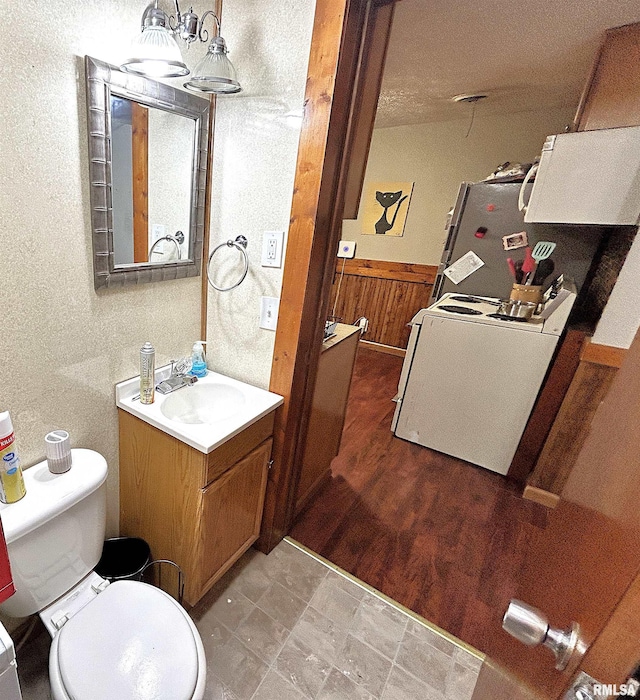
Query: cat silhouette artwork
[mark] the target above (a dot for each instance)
(386, 200)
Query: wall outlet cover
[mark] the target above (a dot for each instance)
(158, 231)
(346, 249)
(269, 312)
(272, 245)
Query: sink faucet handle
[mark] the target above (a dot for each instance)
(181, 366)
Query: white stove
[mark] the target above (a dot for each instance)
(470, 380)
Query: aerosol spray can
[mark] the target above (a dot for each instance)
(147, 373)
(12, 487)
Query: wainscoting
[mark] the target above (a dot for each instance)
(387, 293)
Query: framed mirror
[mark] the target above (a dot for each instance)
(147, 169)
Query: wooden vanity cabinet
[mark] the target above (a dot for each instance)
(200, 511)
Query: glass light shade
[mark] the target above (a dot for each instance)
(215, 72)
(156, 54)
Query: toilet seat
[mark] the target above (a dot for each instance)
(132, 641)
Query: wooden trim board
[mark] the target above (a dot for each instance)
(605, 355)
(545, 498)
(387, 349)
(388, 270)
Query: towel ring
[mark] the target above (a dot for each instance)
(241, 244)
(176, 240)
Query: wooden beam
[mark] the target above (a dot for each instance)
(140, 174)
(606, 355)
(388, 270)
(362, 118)
(314, 232)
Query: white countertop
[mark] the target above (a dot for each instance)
(205, 437)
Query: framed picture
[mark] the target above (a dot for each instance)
(385, 208)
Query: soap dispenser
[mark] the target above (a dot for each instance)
(198, 361)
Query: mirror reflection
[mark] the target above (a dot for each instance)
(151, 217)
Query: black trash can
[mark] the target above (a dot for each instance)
(123, 559)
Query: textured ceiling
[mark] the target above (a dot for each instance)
(523, 55)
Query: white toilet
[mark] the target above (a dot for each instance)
(122, 640)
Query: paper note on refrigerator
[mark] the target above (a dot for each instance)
(463, 267)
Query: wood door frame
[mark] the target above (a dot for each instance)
(332, 113)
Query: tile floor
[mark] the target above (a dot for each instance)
(288, 627)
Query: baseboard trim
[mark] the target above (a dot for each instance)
(379, 347)
(546, 498)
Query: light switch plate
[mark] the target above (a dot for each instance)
(269, 312)
(158, 231)
(272, 244)
(346, 249)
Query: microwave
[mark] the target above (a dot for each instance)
(587, 177)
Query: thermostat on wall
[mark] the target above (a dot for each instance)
(346, 249)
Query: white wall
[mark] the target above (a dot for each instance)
(255, 152)
(64, 346)
(438, 157)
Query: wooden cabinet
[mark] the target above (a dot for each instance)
(328, 411)
(612, 96)
(201, 511)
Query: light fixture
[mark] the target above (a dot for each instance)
(157, 53)
(155, 50)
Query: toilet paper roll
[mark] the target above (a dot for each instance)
(57, 447)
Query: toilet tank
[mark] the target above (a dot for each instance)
(55, 533)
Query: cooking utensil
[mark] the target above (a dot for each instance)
(512, 267)
(513, 308)
(519, 273)
(528, 266)
(544, 269)
(542, 250)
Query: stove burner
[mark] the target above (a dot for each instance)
(465, 310)
(468, 300)
(504, 317)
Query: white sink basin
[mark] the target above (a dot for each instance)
(204, 415)
(208, 403)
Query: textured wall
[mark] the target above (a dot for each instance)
(621, 317)
(438, 157)
(64, 346)
(255, 151)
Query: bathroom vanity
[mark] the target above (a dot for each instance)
(195, 491)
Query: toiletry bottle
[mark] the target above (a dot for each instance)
(198, 361)
(12, 487)
(147, 373)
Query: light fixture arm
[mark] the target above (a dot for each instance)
(189, 27)
(205, 37)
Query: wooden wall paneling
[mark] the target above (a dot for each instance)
(613, 96)
(387, 293)
(140, 184)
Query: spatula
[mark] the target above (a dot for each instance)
(542, 250)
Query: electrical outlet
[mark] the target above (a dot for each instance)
(269, 313)
(346, 249)
(272, 244)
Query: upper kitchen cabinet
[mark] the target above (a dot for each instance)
(612, 95)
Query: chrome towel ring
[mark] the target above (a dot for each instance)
(241, 244)
(176, 240)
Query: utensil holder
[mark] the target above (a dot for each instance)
(526, 292)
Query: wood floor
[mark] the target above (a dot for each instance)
(439, 535)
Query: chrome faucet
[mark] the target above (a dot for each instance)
(178, 377)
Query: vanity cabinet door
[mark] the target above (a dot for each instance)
(232, 513)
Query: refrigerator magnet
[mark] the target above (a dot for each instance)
(515, 240)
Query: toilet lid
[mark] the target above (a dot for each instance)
(133, 641)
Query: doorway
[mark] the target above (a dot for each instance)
(605, 25)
